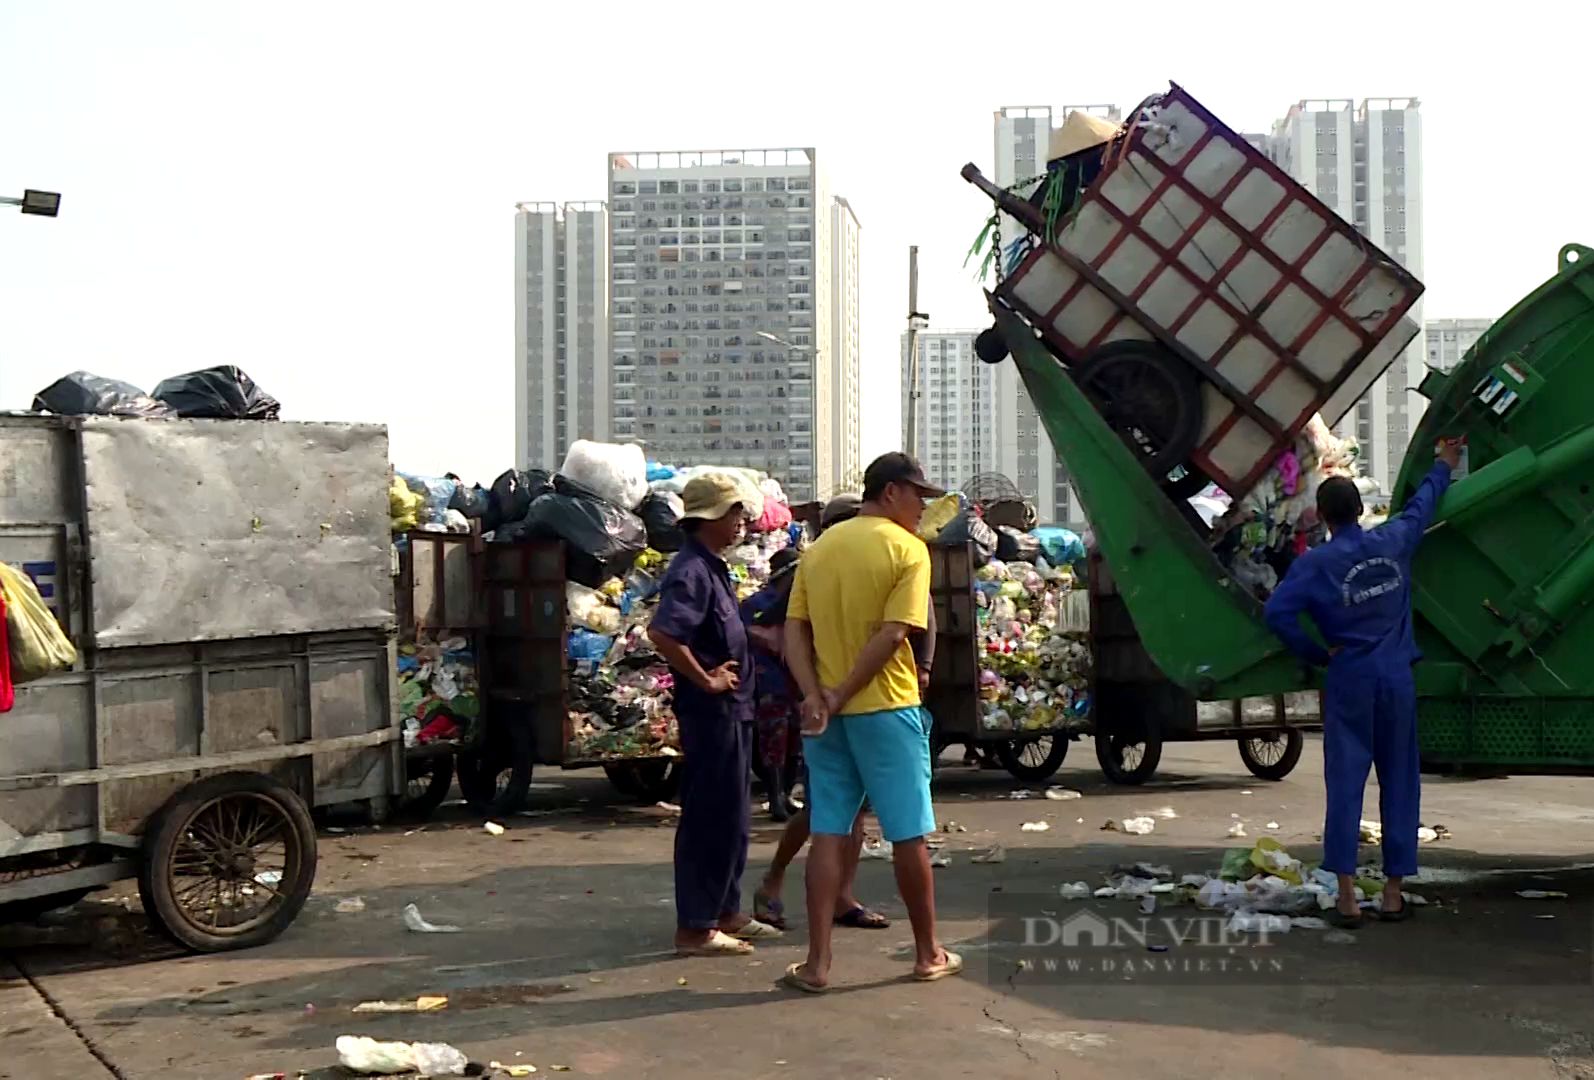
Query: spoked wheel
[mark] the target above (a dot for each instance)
(1150, 398)
(228, 862)
(427, 780)
(1272, 755)
(1128, 758)
(651, 781)
(1033, 760)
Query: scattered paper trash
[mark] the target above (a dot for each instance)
(1308, 922)
(350, 905)
(1166, 813)
(995, 855)
(1148, 905)
(1340, 937)
(1075, 890)
(1237, 830)
(1140, 826)
(1251, 922)
(1273, 825)
(414, 921)
(420, 1004)
(940, 858)
(360, 1054)
(1541, 894)
(1034, 826)
(1062, 794)
(493, 828)
(876, 849)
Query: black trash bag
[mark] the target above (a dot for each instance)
(473, 502)
(969, 527)
(662, 522)
(601, 540)
(512, 495)
(1014, 545)
(218, 393)
(83, 394)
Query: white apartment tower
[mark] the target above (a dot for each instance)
(561, 329)
(723, 309)
(1449, 339)
(956, 434)
(846, 350)
(1365, 162)
(1023, 451)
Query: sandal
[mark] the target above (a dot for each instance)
(794, 979)
(861, 918)
(1341, 921)
(951, 965)
(1400, 914)
(754, 930)
(769, 910)
(718, 944)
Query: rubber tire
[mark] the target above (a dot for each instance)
(1188, 387)
(439, 768)
(480, 774)
(166, 827)
(1111, 761)
(1295, 742)
(651, 780)
(1008, 754)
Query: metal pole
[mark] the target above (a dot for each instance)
(913, 351)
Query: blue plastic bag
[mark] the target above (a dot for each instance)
(657, 471)
(586, 649)
(437, 493)
(1063, 547)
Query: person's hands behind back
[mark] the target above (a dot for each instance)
(723, 678)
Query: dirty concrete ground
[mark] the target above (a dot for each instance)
(564, 961)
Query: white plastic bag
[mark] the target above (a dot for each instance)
(615, 472)
(361, 1054)
(588, 608)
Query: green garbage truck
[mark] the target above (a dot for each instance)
(1180, 310)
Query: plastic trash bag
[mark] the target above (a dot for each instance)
(512, 495)
(361, 1054)
(939, 514)
(435, 493)
(85, 394)
(613, 471)
(968, 527)
(657, 471)
(1062, 547)
(403, 507)
(218, 393)
(776, 516)
(587, 649)
(747, 481)
(661, 516)
(1015, 546)
(473, 502)
(588, 608)
(601, 540)
(35, 641)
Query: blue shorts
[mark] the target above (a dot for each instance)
(884, 755)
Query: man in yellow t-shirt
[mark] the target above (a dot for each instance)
(861, 590)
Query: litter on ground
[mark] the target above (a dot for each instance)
(1140, 826)
(1166, 813)
(1237, 831)
(420, 1004)
(1074, 890)
(1541, 894)
(1034, 826)
(940, 858)
(1062, 794)
(414, 921)
(360, 1054)
(493, 828)
(876, 849)
(994, 855)
(350, 905)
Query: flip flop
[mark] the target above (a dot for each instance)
(793, 978)
(769, 910)
(952, 965)
(861, 918)
(753, 930)
(718, 944)
(1341, 921)
(1400, 914)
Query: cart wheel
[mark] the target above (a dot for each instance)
(1126, 759)
(496, 776)
(650, 781)
(427, 782)
(1150, 398)
(1033, 760)
(1272, 755)
(207, 856)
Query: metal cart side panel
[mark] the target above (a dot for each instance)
(954, 694)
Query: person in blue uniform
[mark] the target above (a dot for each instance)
(698, 629)
(1357, 590)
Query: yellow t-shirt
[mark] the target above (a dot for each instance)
(858, 575)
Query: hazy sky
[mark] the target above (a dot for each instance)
(324, 193)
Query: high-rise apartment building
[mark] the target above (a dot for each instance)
(846, 349)
(561, 329)
(1024, 452)
(956, 431)
(1365, 162)
(722, 311)
(1449, 339)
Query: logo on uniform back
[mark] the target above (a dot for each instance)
(1369, 580)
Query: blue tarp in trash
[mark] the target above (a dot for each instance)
(1062, 547)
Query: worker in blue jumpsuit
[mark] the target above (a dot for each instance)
(1357, 590)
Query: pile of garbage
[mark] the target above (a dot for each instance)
(1259, 537)
(1261, 888)
(438, 690)
(218, 393)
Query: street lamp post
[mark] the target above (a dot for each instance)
(40, 203)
